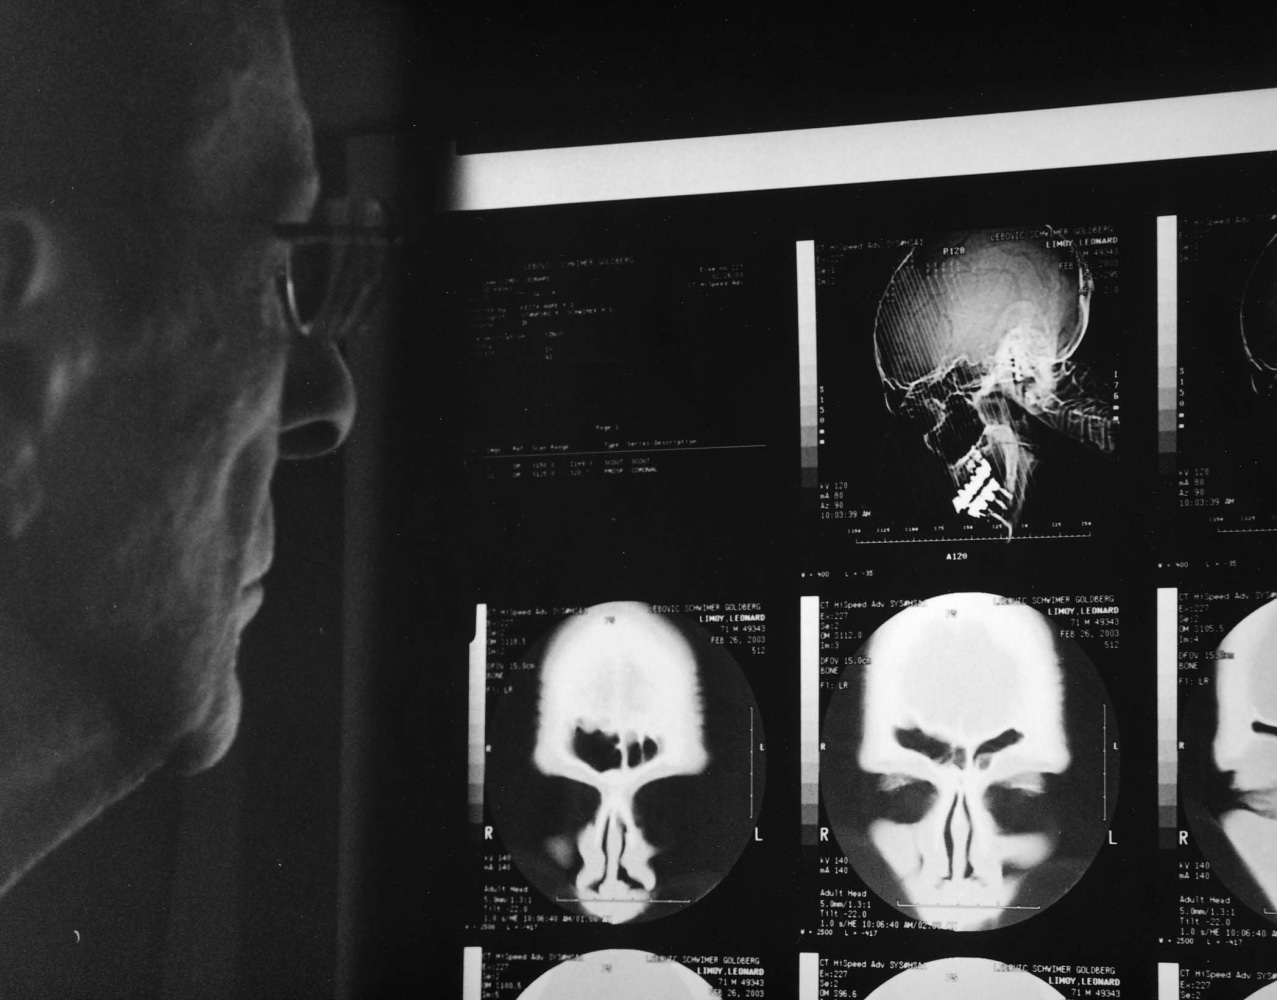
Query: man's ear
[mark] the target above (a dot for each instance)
(30, 389)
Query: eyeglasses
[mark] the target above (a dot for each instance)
(335, 271)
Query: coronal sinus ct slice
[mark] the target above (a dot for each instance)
(619, 974)
(1229, 781)
(965, 979)
(973, 339)
(963, 770)
(636, 784)
(1258, 320)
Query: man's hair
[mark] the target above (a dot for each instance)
(100, 103)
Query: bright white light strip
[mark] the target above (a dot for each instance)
(472, 974)
(1128, 132)
(808, 975)
(1167, 981)
(805, 259)
(477, 722)
(1167, 703)
(809, 715)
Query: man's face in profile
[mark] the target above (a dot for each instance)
(143, 561)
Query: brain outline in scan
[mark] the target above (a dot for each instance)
(974, 337)
(628, 784)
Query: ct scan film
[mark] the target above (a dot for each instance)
(879, 978)
(965, 382)
(624, 760)
(1228, 764)
(969, 761)
(965, 979)
(620, 973)
(1216, 453)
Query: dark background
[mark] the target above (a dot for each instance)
(314, 860)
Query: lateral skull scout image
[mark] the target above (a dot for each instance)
(619, 974)
(963, 768)
(965, 979)
(972, 339)
(626, 775)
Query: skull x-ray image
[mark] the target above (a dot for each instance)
(1268, 992)
(973, 340)
(965, 979)
(1228, 766)
(619, 974)
(963, 767)
(626, 772)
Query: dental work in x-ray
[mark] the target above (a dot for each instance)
(964, 771)
(626, 769)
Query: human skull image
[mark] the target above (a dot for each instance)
(637, 732)
(948, 761)
(619, 974)
(973, 337)
(620, 708)
(965, 979)
(1230, 779)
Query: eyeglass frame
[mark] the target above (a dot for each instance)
(382, 236)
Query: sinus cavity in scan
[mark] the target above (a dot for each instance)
(626, 770)
(964, 771)
(965, 979)
(973, 340)
(619, 974)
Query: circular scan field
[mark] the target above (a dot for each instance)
(964, 769)
(619, 974)
(626, 771)
(965, 979)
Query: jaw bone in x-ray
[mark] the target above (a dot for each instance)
(973, 337)
(944, 789)
(641, 728)
(1231, 796)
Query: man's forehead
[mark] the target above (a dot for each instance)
(252, 152)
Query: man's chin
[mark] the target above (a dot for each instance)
(201, 748)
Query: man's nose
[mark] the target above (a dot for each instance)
(319, 400)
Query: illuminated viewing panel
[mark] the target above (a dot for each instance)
(918, 474)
